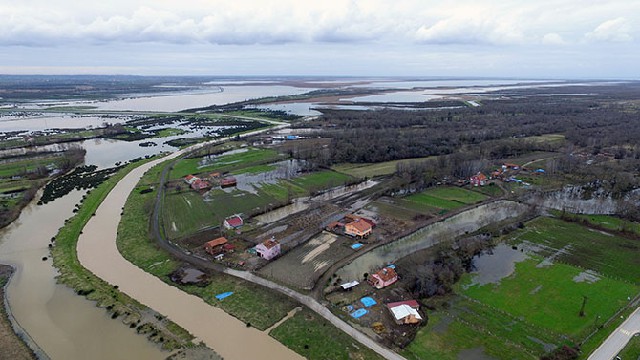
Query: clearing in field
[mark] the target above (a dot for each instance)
(437, 200)
(371, 170)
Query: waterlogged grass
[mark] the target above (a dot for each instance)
(250, 303)
(609, 254)
(170, 132)
(316, 339)
(74, 275)
(446, 338)
(225, 163)
(549, 297)
(190, 213)
(319, 181)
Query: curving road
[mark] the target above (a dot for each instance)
(618, 339)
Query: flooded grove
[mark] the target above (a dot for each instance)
(428, 236)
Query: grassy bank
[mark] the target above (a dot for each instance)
(74, 275)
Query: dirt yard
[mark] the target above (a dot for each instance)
(309, 260)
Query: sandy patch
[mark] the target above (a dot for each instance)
(321, 243)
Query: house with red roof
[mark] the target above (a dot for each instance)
(189, 179)
(358, 228)
(215, 246)
(478, 179)
(228, 182)
(233, 222)
(268, 249)
(200, 184)
(383, 278)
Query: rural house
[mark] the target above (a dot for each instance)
(233, 222)
(478, 179)
(358, 228)
(228, 182)
(385, 277)
(189, 179)
(215, 246)
(405, 312)
(200, 184)
(268, 249)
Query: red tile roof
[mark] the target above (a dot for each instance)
(234, 221)
(216, 242)
(411, 303)
(386, 274)
(269, 243)
(361, 226)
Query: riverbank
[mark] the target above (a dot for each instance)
(133, 314)
(13, 347)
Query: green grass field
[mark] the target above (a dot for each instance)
(445, 198)
(607, 222)
(315, 339)
(608, 254)
(446, 338)
(319, 181)
(549, 297)
(371, 170)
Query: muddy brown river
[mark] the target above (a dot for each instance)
(64, 325)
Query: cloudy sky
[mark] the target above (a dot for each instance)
(506, 38)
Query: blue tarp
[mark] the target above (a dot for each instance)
(358, 313)
(368, 301)
(224, 295)
(391, 266)
(356, 246)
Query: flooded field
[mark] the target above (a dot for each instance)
(468, 221)
(494, 265)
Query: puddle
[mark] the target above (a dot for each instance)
(491, 267)
(588, 276)
(474, 354)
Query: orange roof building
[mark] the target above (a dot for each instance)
(358, 228)
(214, 246)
